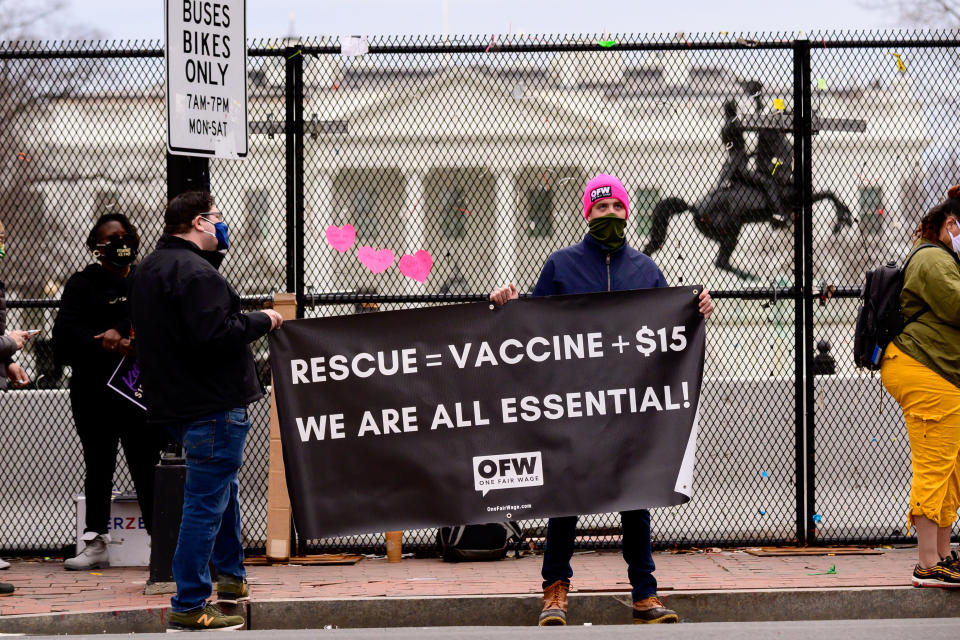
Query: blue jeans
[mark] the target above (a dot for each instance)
(636, 551)
(210, 529)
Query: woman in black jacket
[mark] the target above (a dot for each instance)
(92, 335)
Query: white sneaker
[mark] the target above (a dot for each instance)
(4, 564)
(94, 554)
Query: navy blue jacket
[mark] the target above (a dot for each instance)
(587, 267)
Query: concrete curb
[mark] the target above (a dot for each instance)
(152, 620)
(521, 610)
(608, 608)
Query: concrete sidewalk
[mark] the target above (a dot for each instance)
(46, 592)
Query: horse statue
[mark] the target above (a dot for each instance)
(721, 214)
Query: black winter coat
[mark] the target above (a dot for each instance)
(93, 301)
(191, 337)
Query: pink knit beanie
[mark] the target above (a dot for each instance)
(604, 186)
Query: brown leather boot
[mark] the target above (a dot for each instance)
(651, 611)
(555, 604)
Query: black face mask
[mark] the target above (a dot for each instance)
(118, 252)
(610, 231)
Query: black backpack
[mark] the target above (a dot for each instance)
(478, 542)
(879, 319)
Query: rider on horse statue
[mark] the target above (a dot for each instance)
(773, 146)
(736, 168)
(765, 194)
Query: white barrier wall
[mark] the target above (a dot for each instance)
(744, 477)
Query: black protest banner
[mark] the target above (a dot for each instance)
(474, 413)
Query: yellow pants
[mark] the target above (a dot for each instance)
(931, 407)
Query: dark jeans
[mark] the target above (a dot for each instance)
(210, 528)
(104, 420)
(636, 551)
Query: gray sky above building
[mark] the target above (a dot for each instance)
(139, 19)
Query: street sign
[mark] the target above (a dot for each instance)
(206, 69)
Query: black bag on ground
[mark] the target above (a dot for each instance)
(479, 542)
(879, 319)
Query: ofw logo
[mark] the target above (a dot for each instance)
(599, 192)
(507, 471)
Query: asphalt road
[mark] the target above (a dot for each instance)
(926, 628)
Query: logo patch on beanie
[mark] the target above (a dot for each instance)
(600, 192)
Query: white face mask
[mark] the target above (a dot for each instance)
(955, 240)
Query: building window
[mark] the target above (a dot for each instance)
(453, 209)
(366, 202)
(872, 210)
(540, 212)
(641, 208)
(105, 202)
(258, 78)
(258, 213)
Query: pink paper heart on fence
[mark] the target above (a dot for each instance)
(341, 238)
(417, 266)
(376, 261)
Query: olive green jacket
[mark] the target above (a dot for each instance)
(932, 282)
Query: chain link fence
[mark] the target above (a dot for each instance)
(773, 168)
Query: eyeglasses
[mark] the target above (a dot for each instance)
(213, 217)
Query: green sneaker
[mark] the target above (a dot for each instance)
(232, 590)
(210, 618)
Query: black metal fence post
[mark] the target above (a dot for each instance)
(294, 180)
(300, 230)
(294, 171)
(184, 173)
(806, 186)
(803, 278)
(187, 173)
(798, 272)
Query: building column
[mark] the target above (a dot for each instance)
(415, 236)
(504, 224)
(318, 261)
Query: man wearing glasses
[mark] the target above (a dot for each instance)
(198, 376)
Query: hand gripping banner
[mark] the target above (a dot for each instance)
(472, 413)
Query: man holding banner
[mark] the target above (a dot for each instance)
(472, 413)
(602, 261)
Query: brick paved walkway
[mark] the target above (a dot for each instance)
(45, 587)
